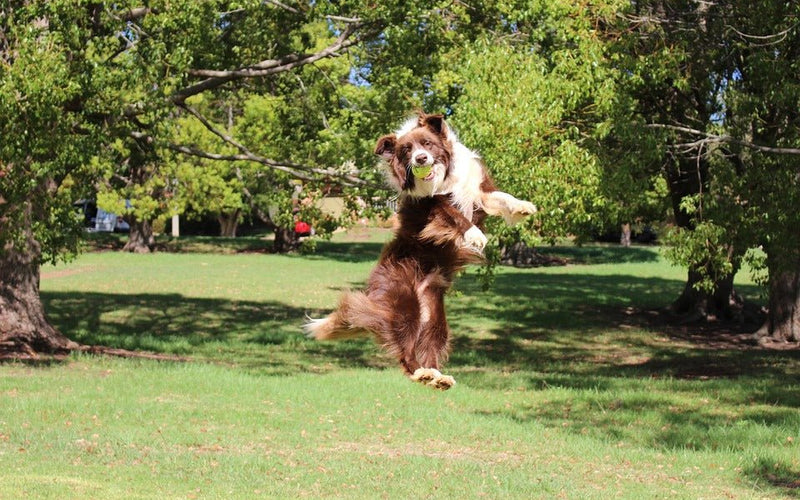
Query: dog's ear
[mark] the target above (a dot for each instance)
(385, 146)
(435, 123)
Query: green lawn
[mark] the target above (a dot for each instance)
(563, 390)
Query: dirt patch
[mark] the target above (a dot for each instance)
(429, 449)
(61, 273)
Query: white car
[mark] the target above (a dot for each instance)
(97, 219)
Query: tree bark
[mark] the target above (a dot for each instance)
(140, 238)
(625, 236)
(286, 240)
(783, 318)
(228, 224)
(722, 303)
(24, 329)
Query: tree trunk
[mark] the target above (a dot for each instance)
(286, 240)
(687, 179)
(722, 303)
(228, 223)
(625, 237)
(140, 238)
(783, 318)
(24, 329)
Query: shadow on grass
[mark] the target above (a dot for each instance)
(566, 324)
(777, 474)
(601, 254)
(265, 336)
(613, 372)
(570, 329)
(346, 251)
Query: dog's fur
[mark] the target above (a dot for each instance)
(403, 303)
(438, 233)
(457, 170)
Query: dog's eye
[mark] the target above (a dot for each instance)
(426, 143)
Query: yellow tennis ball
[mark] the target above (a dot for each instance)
(420, 172)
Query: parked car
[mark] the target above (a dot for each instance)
(97, 219)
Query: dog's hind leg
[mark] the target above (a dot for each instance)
(433, 341)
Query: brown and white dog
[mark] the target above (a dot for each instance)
(427, 141)
(440, 211)
(403, 303)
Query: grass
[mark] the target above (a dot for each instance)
(562, 390)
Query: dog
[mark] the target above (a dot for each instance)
(445, 193)
(427, 141)
(403, 302)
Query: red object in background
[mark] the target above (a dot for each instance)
(302, 228)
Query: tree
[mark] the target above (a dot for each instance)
(89, 94)
(530, 101)
(39, 151)
(203, 186)
(728, 116)
(762, 129)
(80, 86)
(670, 67)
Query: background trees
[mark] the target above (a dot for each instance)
(90, 94)
(712, 90)
(601, 115)
(534, 120)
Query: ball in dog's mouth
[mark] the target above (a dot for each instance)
(421, 171)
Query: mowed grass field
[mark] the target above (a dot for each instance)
(565, 388)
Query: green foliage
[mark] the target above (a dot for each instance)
(36, 144)
(701, 249)
(531, 104)
(725, 70)
(89, 91)
(761, 107)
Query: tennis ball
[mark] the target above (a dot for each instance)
(420, 172)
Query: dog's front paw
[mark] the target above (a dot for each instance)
(518, 211)
(524, 208)
(475, 240)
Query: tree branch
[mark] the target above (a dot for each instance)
(765, 40)
(283, 6)
(192, 151)
(135, 13)
(726, 139)
(216, 78)
(298, 171)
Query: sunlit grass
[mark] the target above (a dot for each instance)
(562, 390)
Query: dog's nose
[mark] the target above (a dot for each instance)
(421, 159)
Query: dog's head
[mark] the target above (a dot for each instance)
(412, 151)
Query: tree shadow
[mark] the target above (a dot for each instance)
(556, 320)
(263, 336)
(620, 361)
(601, 254)
(777, 474)
(346, 251)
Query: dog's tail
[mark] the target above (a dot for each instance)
(356, 316)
